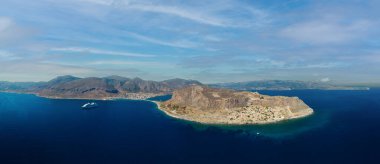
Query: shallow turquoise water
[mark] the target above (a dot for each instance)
(344, 129)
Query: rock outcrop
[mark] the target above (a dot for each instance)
(222, 106)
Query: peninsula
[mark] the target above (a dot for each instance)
(202, 104)
(101, 88)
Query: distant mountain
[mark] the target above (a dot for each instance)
(19, 86)
(98, 88)
(179, 83)
(62, 79)
(284, 85)
(136, 88)
(119, 78)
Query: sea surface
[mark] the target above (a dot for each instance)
(344, 129)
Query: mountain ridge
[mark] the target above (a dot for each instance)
(114, 86)
(285, 85)
(98, 87)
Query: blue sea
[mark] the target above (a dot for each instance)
(344, 129)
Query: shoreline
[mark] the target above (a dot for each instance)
(80, 98)
(236, 124)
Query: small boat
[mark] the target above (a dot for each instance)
(89, 105)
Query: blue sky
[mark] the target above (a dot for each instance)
(210, 41)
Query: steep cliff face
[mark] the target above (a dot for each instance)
(209, 105)
(82, 88)
(139, 85)
(205, 98)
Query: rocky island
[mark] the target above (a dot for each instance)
(223, 106)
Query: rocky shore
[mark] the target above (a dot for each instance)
(221, 106)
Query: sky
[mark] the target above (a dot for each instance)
(206, 40)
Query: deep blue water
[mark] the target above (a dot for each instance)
(344, 129)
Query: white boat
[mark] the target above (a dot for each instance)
(89, 105)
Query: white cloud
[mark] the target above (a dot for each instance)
(180, 12)
(245, 16)
(43, 71)
(5, 23)
(6, 56)
(100, 2)
(144, 64)
(163, 9)
(116, 62)
(32, 71)
(100, 52)
(325, 65)
(10, 31)
(119, 62)
(326, 79)
(180, 43)
(326, 31)
(212, 38)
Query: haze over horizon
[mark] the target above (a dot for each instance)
(209, 41)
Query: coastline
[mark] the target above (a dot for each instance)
(167, 113)
(226, 123)
(82, 98)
